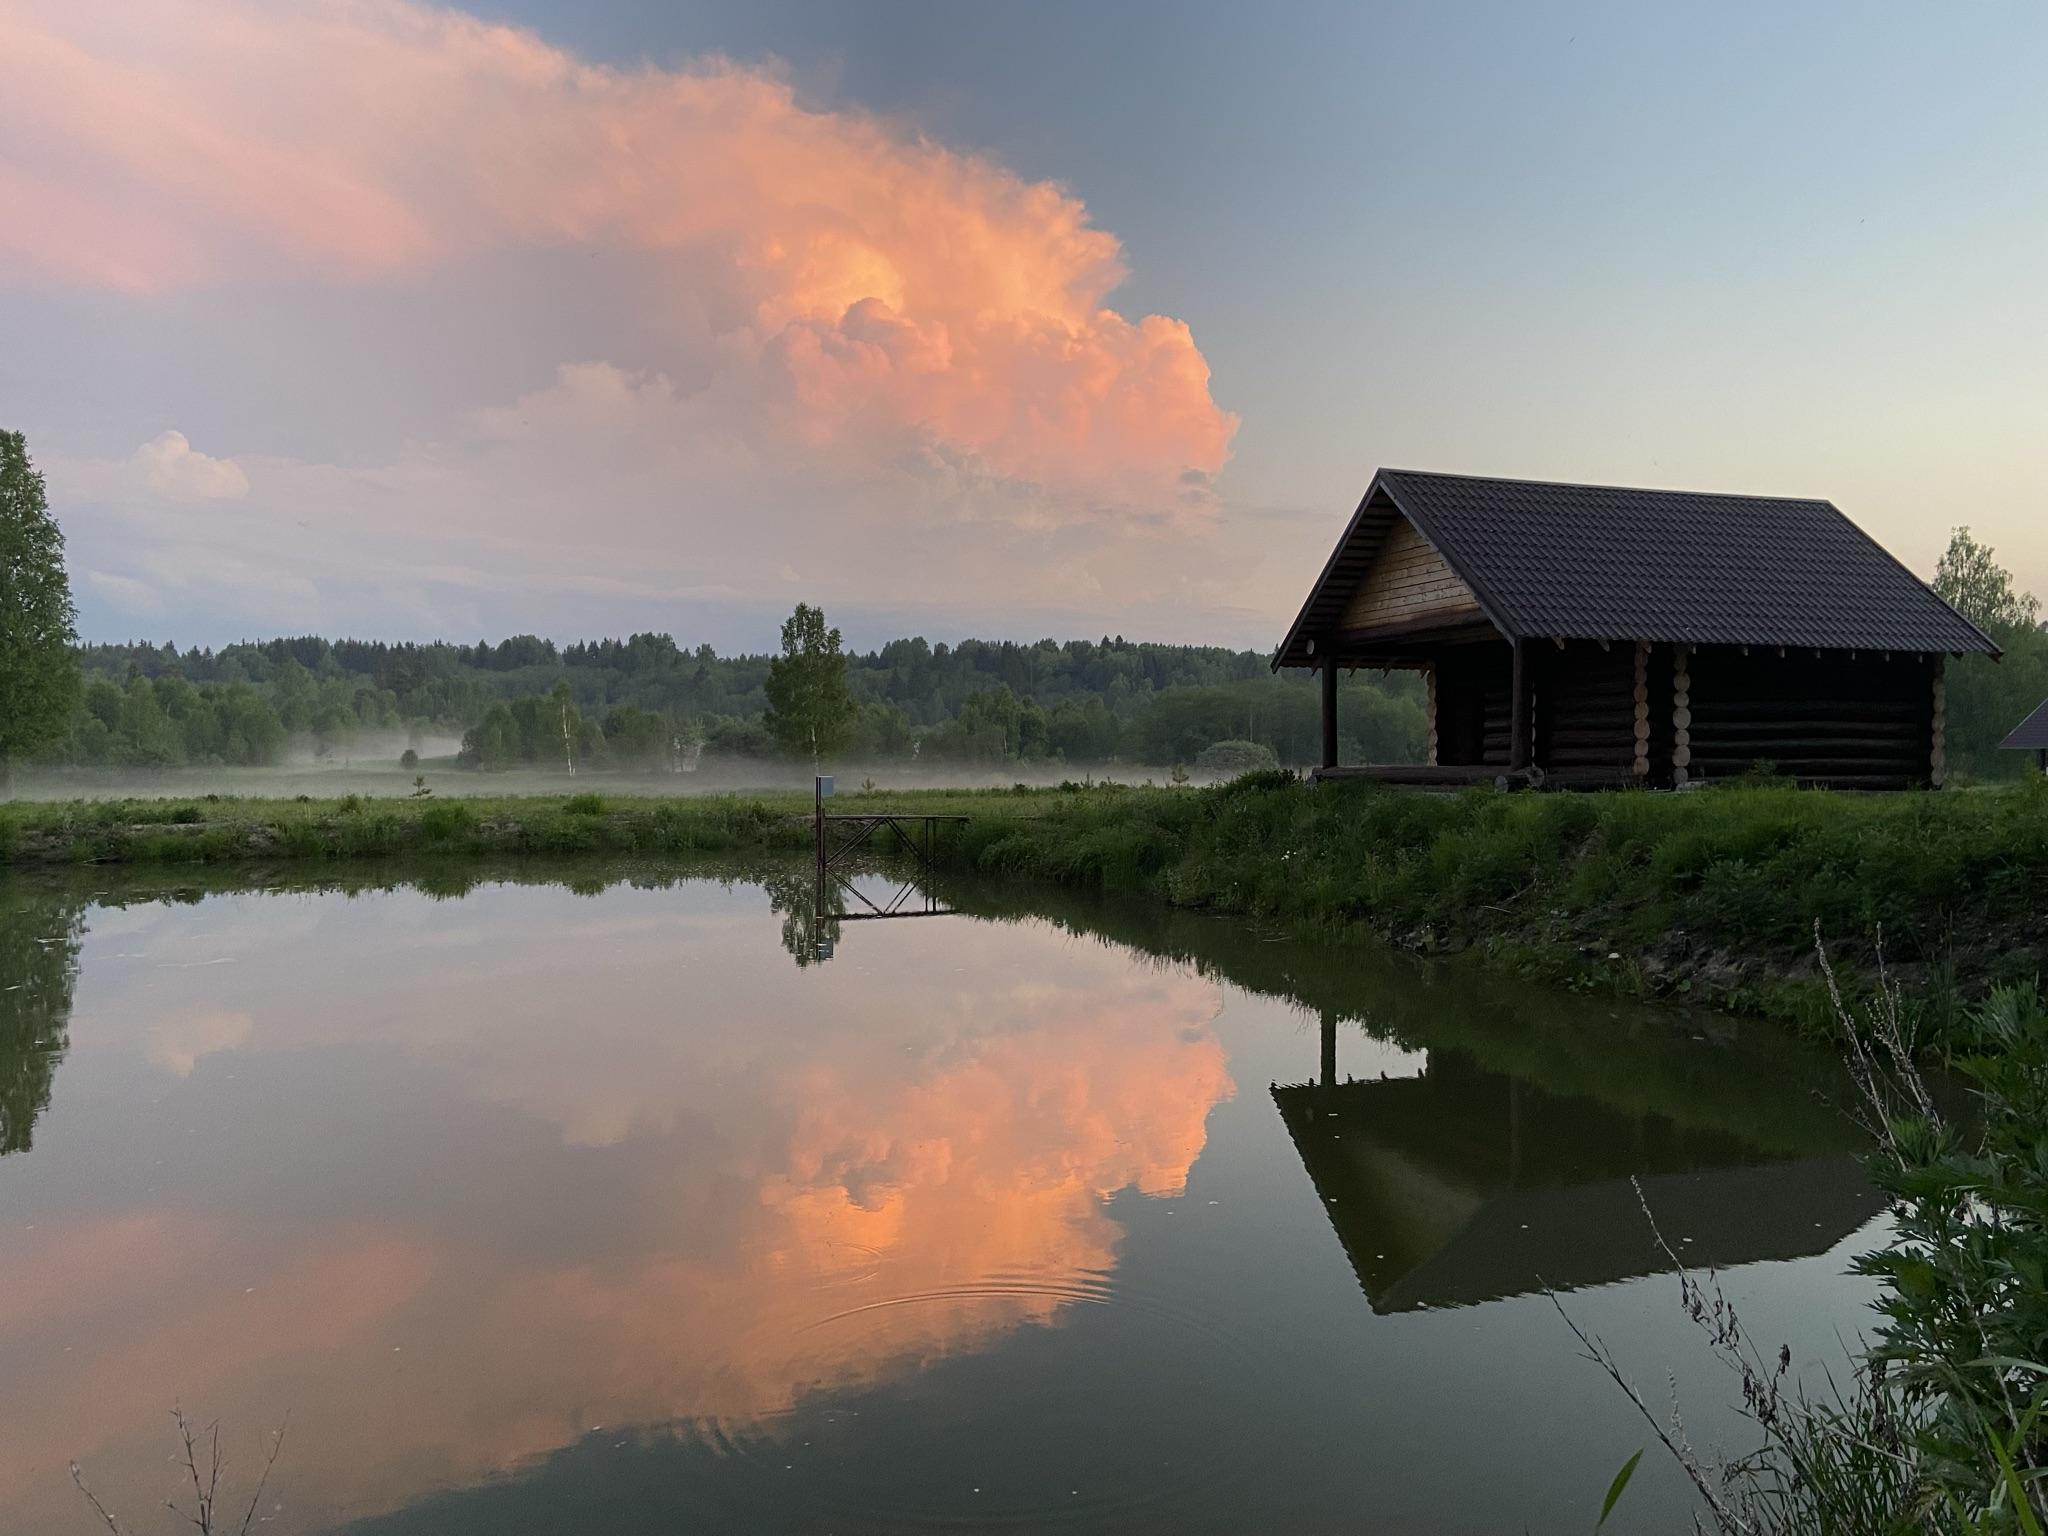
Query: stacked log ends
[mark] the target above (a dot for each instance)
(1429, 697)
(1681, 714)
(1937, 763)
(1642, 699)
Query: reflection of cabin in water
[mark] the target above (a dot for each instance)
(1598, 635)
(1463, 1185)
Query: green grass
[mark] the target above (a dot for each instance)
(1711, 895)
(217, 829)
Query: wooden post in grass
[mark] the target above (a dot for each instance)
(1329, 712)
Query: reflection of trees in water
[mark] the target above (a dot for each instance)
(40, 930)
(806, 935)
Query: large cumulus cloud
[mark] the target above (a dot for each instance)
(873, 289)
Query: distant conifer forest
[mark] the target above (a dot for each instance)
(646, 703)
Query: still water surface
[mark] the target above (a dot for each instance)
(589, 1208)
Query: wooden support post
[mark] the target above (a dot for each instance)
(1681, 714)
(1518, 708)
(1641, 766)
(1329, 1050)
(1330, 712)
(1429, 704)
(1937, 757)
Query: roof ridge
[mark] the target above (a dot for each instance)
(1590, 485)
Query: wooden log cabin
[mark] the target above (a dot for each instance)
(1597, 635)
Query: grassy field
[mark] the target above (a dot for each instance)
(384, 779)
(214, 829)
(1712, 895)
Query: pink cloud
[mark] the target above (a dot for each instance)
(873, 281)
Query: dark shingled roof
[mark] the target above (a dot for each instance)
(1593, 562)
(2031, 734)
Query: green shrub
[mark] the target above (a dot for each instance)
(1941, 1426)
(448, 820)
(1260, 780)
(1229, 759)
(584, 805)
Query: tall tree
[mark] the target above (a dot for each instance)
(1973, 583)
(1986, 699)
(39, 680)
(810, 708)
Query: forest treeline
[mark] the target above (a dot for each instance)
(646, 702)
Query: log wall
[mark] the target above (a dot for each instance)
(1472, 705)
(1662, 714)
(1852, 721)
(1585, 711)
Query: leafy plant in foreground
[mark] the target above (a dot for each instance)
(1938, 1428)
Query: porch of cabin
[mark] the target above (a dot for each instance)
(1592, 714)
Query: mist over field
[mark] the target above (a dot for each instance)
(359, 774)
(369, 749)
(645, 715)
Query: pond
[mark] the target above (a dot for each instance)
(627, 1201)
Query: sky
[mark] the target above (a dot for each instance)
(393, 319)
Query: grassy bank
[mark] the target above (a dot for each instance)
(1712, 895)
(215, 829)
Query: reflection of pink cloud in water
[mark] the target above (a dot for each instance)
(895, 1206)
(155, 1323)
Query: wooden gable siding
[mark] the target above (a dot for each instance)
(1407, 582)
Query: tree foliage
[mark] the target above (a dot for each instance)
(1965, 1277)
(1234, 758)
(1971, 581)
(170, 723)
(38, 672)
(1071, 702)
(547, 730)
(810, 708)
(1987, 698)
(40, 933)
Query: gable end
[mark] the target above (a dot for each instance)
(1408, 582)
